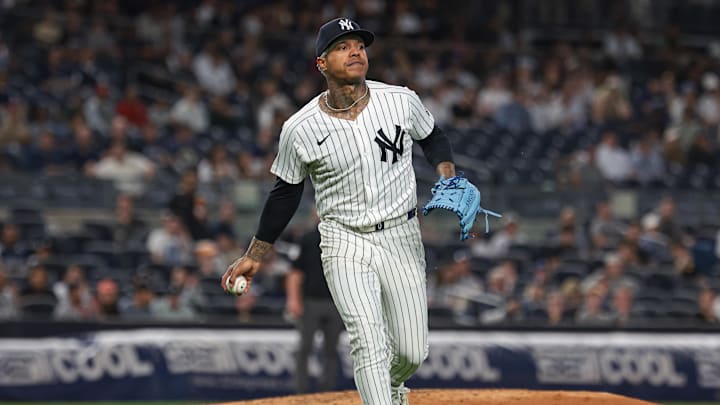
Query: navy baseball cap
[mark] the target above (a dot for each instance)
(334, 29)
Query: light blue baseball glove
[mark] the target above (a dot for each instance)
(458, 195)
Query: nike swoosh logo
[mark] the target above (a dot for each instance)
(321, 141)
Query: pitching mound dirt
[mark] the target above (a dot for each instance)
(465, 397)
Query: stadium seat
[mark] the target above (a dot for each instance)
(681, 310)
(69, 244)
(103, 250)
(659, 281)
(37, 307)
(98, 230)
(218, 305)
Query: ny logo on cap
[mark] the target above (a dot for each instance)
(345, 24)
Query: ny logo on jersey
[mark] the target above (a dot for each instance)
(345, 24)
(385, 144)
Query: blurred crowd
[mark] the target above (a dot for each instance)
(196, 92)
(602, 271)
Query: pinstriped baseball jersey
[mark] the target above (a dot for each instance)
(361, 170)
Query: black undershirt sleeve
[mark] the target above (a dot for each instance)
(436, 147)
(279, 208)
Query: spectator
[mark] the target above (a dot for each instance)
(36, 299)
(533, 302)
(572, 296)
(501, 281)
(628, 254)
(128, 170)
(622, 305)
(683, 261)
(605, 230)
(190, 111)
(500, 243)
(610, 277)
(556, 314)
(139, 307)
(652, 104)
(132, 107)
(439, 103)
(42, 251)
(208, 259)
(84, 151)
(213, 71)
(680, 137)
(463, 109)
(228, 247)
(621, 45)
(708, 107)
(99, 109)
(107, 296)
(648, 166)
(249, 166)
(171, 307)
(708, 307)
(611, 104)
(668, 224)
(592, 312)
(217, 168)
(652, 241)
(190, 207)
(128, 230)
(612, 160)
(119, 130)
(14, 128)
(186, 282)
(74, 276)
(8, 295)
(13, 251)
(570, 239)
(583, 171)
(272, 103)
(45, 156)
(225, 222)
(48, 31)
(702, 151)
(631, 240)
(152, 145)
(170, 244)
(75, 306)
(159, 113)
(183, 148)
(453, 285)
(493, 95)
(514, 115)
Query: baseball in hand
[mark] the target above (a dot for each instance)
(239, 287)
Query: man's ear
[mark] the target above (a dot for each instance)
(321, 64)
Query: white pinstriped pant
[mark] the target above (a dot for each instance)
(377, 280)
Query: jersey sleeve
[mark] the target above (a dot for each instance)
(421, 119)
(288, 164)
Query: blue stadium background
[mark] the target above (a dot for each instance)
(136, 137)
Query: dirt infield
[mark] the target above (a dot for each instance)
(465, 397)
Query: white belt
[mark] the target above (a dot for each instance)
(387, 224)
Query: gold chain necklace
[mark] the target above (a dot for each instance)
(367, 89)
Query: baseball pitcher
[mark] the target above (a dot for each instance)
(355, 141)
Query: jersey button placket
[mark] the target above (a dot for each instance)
(364, 169)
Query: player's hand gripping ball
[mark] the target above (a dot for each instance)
(239, 287)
